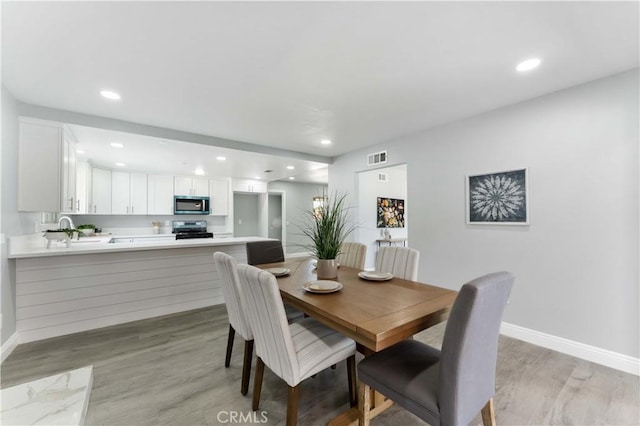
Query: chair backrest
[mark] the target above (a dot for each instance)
(470, 347)
(227, 269)
(352, 255)
(261, 299)
(402, 262)
(268, 251)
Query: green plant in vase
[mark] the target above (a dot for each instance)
(327, 226)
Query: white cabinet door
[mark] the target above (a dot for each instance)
(83, 185)
(69, 169)
(39, 166)
(185, 185)
(200, 187)
(138, 193)
(119, 192)
(160, 200)
(248, 185)
(219, 194)
(100, 191)
(182, 185)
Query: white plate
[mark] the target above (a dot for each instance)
(375, 276)
(322, 286)
(279, 272)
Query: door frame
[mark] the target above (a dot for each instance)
(283, 201)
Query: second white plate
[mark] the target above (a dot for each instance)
(279, 272)
(322, 286)
(375, 276)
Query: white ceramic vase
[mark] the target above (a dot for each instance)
(327, 269)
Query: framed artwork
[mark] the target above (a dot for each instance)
(500, 198)
(390, 213)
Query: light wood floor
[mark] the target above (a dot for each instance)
(170, 371)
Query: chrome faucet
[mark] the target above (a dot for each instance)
(68, 219)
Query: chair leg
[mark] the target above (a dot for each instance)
(364, 405)
(351, 374)
(246, 367)
(232, 334)
(257, 384)
(488, 414)
(292, 405)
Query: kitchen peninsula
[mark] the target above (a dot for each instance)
(97, 284)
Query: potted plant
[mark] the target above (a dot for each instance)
(327, 227)
(64, 234)
(87, 230)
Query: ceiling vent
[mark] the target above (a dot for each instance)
(383, 177)
(377, 158)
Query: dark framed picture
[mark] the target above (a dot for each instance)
(500, 198)
(390, 213)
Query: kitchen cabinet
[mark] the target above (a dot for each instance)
(100, 191)
(160, 194)
(219, 195)
(248, 185)
(46, 167)
(128, 193)
(186, 185)
(83, 186)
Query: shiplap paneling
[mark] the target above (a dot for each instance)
(66, 294)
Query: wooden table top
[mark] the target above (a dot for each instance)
(376, 314)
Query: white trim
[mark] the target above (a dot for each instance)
(8, 347)
(605, 357)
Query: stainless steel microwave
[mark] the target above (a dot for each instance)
(189, 204)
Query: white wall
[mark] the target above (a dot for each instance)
(11, 221)
(577, 262)
(369, 189)
(299, 199)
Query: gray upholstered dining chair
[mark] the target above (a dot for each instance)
(294, 352)
(451, 386)
(227, 268)
(352, 255)
(261, 252)
(402, 262)
(270, 251)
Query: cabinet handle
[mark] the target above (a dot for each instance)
(131, 209)
(78, 203)
(95, 209)
(70, 204)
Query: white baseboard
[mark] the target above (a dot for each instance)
(8, 347)
(625, 363)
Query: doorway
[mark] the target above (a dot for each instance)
(275, 216)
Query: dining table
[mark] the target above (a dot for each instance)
(376, 313)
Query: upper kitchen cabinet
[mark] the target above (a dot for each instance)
(128, 193)
(100, 191)
(248, 185)
(160, 198)
(185, 185)
(219, 194)
(46, 167)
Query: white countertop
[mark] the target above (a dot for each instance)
(36, 246)
(61, 399)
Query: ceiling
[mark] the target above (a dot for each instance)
(289, 74)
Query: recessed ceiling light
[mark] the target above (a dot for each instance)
(528, 65)
(325, 142)
(199, 171)
(117, 145)
(221, 158)
(110, 95)
(292, 178)
(257, 177)
(79, 151)
(120, 164)
(290, 167)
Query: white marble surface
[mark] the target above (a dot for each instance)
(35, 246)
(61, 399)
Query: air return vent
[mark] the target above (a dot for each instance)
(383, 177)
(377, 158)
